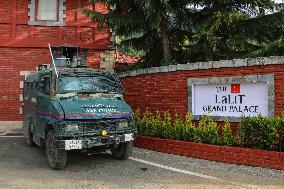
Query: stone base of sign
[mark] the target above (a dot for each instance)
(233, 155)
(10, 125)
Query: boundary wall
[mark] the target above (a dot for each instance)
(168, 88)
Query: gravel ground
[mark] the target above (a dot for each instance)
(22, 167)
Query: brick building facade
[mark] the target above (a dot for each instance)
(26, 29)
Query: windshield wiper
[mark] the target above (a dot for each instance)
(91, 92)
(65, 95)
(85, 92)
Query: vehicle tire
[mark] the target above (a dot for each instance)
(122, 151)
(56, 158)
(29, 136)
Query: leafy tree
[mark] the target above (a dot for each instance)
(236, 30)
(144, 24)
(185, 31)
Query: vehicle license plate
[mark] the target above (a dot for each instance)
(73, 144)
(128, 137)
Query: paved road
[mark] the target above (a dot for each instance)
(22, 167)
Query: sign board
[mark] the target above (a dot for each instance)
(234, 100)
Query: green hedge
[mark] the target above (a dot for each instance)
(254, 132)
(259, 132)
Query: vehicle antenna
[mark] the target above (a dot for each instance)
(53, 61)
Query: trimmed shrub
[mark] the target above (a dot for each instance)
(178, 127)
(166, 125)
(227, 138)
(206, 131)
(188, 131)
(258, 132)
(254, 132)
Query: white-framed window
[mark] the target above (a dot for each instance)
(47, 12)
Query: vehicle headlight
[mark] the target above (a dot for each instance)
(123, 124)
(72, 127)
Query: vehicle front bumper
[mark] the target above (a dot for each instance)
(90, 142)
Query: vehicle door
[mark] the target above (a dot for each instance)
(28, 107)
(43, 105)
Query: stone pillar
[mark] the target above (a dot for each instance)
(108, 60)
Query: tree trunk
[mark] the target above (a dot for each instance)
(165, 40)
(208, 51)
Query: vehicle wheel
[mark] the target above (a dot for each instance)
(29, 136)
(122, 151)
(56, 158)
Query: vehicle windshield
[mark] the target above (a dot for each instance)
(88, 84)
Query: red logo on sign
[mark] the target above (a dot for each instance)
(235, 88)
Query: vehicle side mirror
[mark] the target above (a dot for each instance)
(40, 85)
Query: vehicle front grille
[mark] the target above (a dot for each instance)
(92, 128)
(97, 126)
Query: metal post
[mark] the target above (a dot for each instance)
(53, 61)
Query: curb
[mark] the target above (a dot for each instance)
(225, 154)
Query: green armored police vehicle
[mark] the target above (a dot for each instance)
(69, 107)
